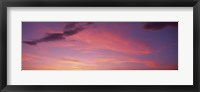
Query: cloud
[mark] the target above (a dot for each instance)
(106, 40)
(129, 63)
(69, 30)
(49, 37)
(117, 62)
(43, 62)
(70, 60)
(154, 26)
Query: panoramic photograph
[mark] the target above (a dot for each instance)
(99, 45)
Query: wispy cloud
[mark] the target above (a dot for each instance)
(44, 62)
(107, 40)
(69, 30)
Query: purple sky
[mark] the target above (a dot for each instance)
(100, 45)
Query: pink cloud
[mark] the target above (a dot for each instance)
(92, 39)
(119, 62)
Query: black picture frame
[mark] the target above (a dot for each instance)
(98, 3)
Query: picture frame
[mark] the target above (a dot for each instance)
(4, 4)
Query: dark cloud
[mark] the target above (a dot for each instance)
(73, 31)
(49, 37)
(69, 30)
(30, 42)
(52, 37)
(154, 26)
(70, 25)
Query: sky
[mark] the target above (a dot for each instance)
(99, 45)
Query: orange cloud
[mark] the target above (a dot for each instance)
(30, 57)
(120, 61)
(42, 62)
(36, 62)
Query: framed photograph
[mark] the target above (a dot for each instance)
(87, 45)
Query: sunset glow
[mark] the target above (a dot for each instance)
(100, 46)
